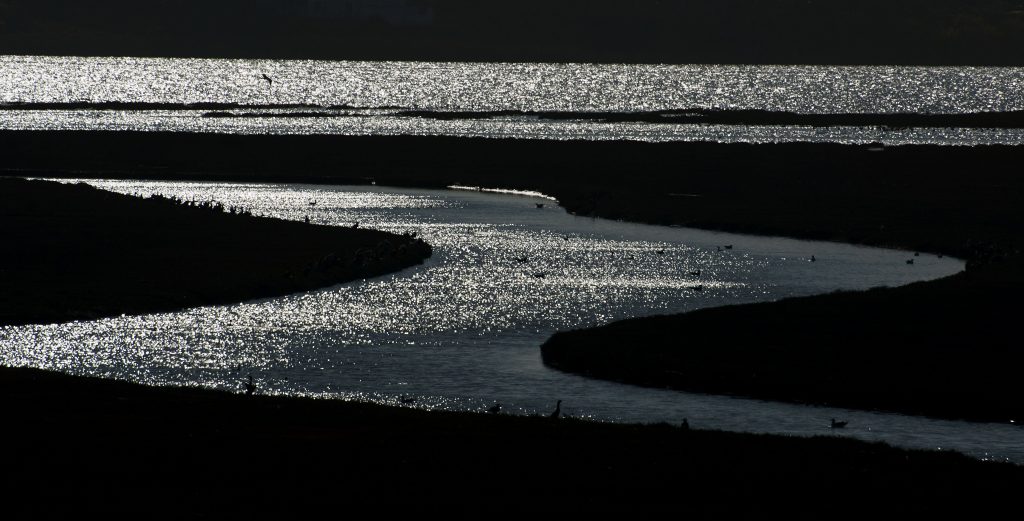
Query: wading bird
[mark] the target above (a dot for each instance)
(558, 410)
(250, 387)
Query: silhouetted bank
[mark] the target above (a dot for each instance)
(74, 252)
(828, 32)
(947, 348)
(690, 116)
(119, 449)
(961, 201)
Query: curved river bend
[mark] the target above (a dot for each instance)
(462, 331)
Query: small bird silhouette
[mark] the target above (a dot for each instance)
(495, 409)
(269, 80)
(558, 410)
(250, 387)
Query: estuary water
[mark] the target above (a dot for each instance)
(463, 330)
(503, 99)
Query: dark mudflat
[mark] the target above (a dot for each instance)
(73, 252)
(947, 348)
(78, 446)
(955, 200)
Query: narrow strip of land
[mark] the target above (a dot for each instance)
(73, 252)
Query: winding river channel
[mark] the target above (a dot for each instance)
(463, 330)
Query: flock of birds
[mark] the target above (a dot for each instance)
(250, 389)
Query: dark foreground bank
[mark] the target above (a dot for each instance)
(80, 445)
(73, 252)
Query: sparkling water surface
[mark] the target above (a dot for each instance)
(376, 92)
(463, 330)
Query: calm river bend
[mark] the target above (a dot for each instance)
(463, 330)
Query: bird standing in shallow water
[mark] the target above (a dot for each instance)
(250, 387)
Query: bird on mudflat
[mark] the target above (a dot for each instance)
(558, 410)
